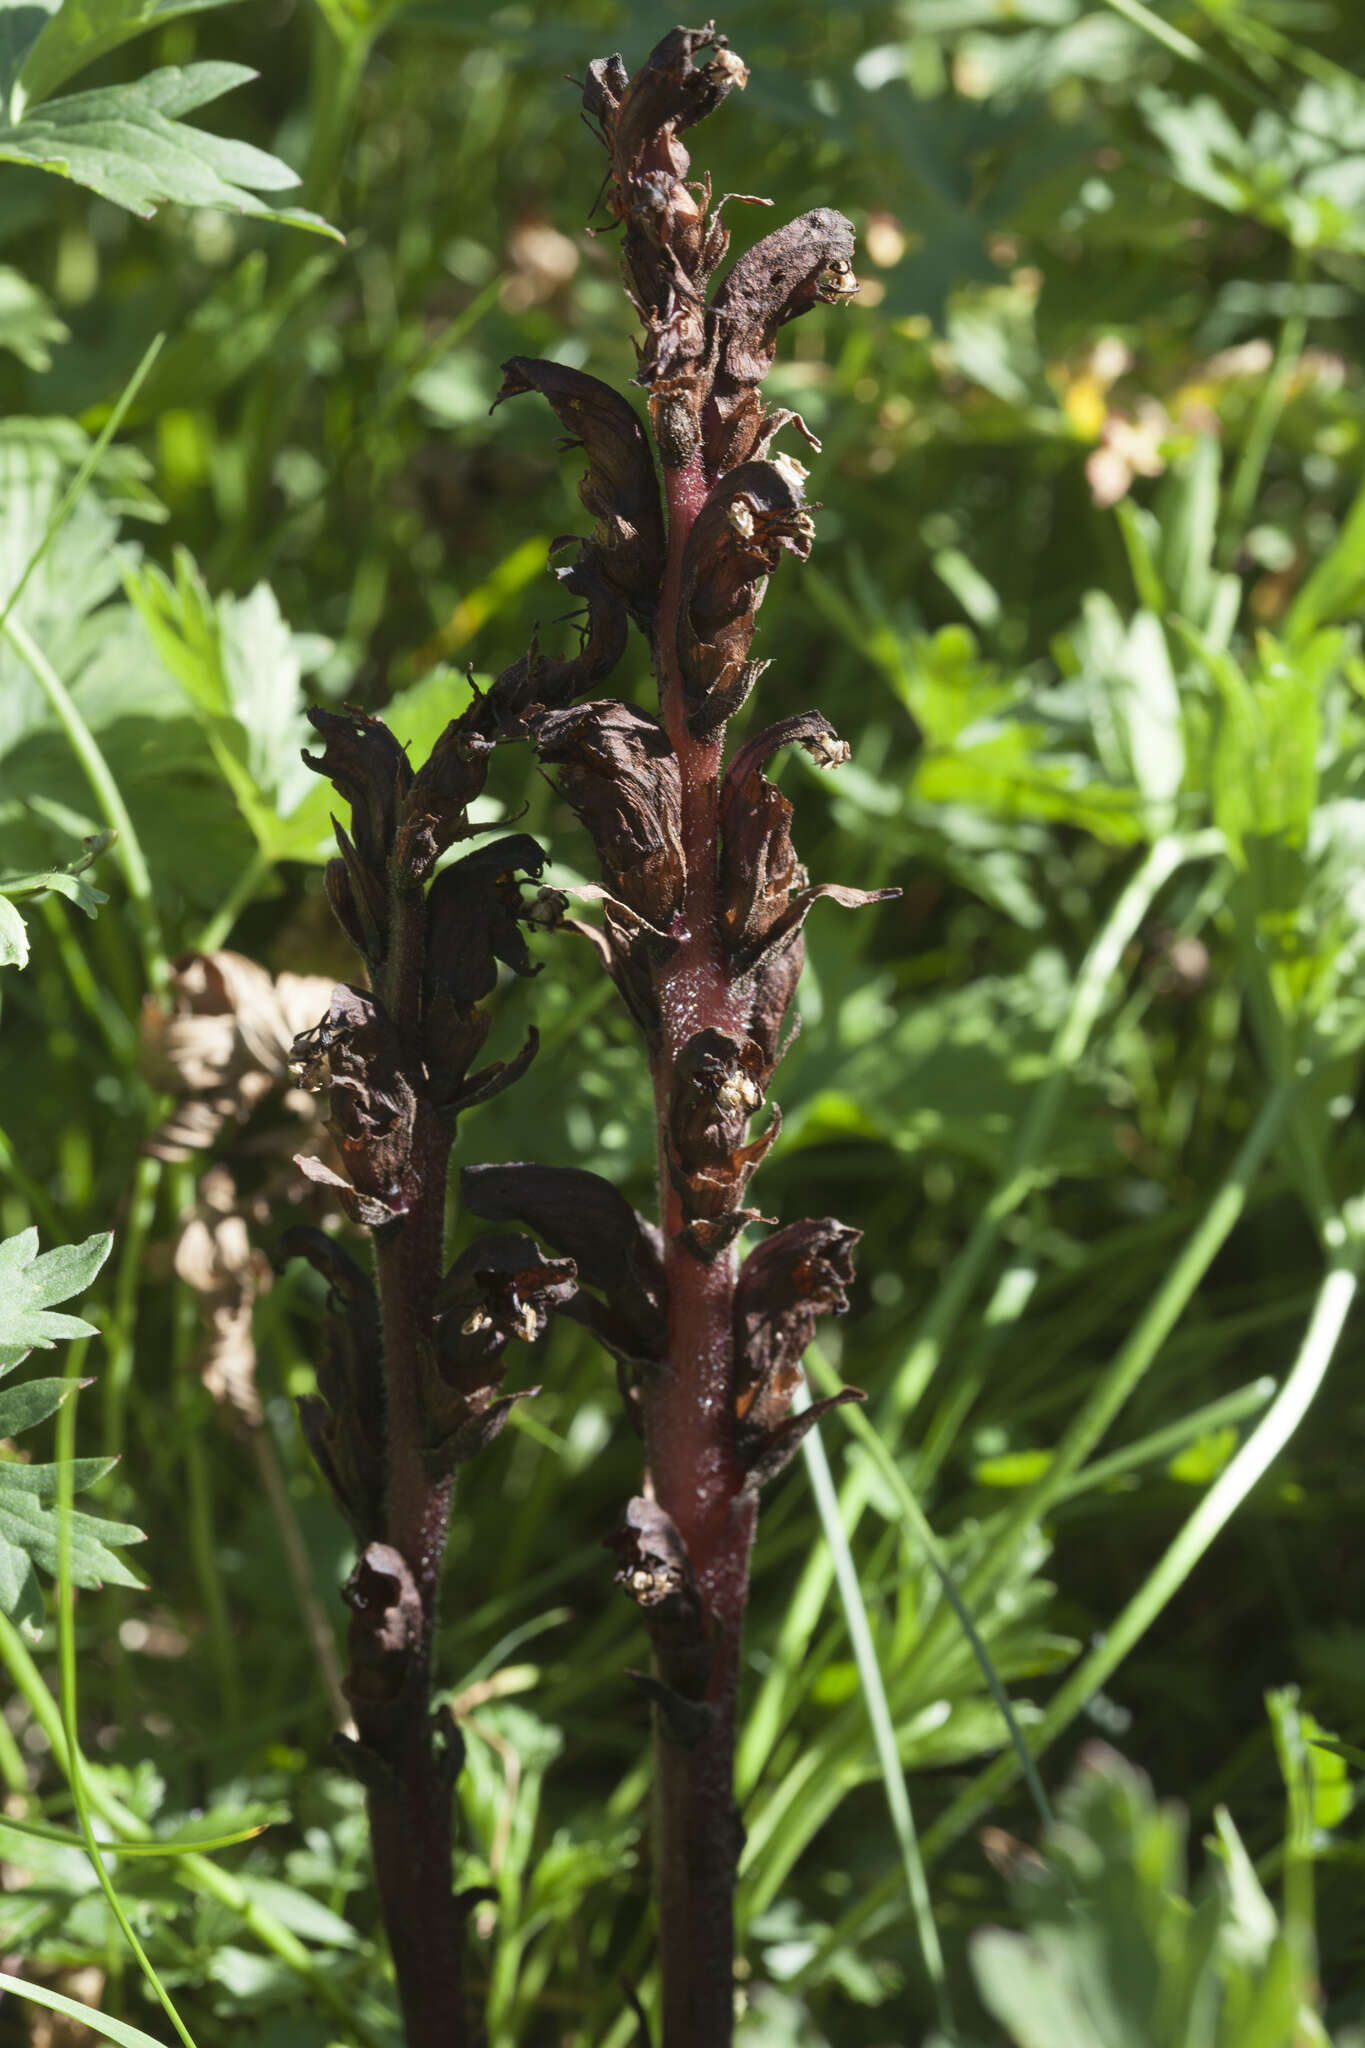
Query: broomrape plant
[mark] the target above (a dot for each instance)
(702, 906)
(1120, 1201)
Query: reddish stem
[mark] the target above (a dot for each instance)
(690, 1408)
(409, 1801)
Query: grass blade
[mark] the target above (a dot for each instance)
(879, 1716)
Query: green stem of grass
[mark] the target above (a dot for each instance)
(66, 1651)
(1227, 1494)
(879, 1716)
(216, 930)
(117, 1378)
(1027, 1170)
(919, 1534)
(108, 1016)
(1209, 1519)
(13, 1769)
(1028, 1166)
(190, 1405)
(13, 1170)
(1270, 404)
(107, 795)
(71, 496)
(198, 1871)
(1125, 1372)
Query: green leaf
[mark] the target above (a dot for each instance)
(30, 1283)
(300, 1912)
(1345, 1750)
(129, 144)
(82, 30)
(985, 749)
(1112, 1953)
(21, 24)
(1336, 586)
(23, 1406)
(1188, 512)
(29, 1523)
(13, 936)
(68, 881)
(100, 2024)
(1012, 1468)
(154, 747)
(238, 664)
(27, 321)
(29, 1538)
(1135, 703)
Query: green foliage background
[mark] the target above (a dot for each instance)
(1084, 596)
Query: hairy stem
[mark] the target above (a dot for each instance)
(689, 1412)
(409, 1799)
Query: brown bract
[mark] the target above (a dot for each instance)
(435, 813)
(616, 767)
(808, 262)
(759, 868)
(401, 821)
(385, 1633)
(751, 518)
(618, 1255)
(632, 951)
(344, 1421)
(536, 682)
(354, 1053)
(474, 918)
(795, 1276)
(365, 764)
(718, 1082)
(619, 489)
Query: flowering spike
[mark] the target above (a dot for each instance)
(409, 1386)
(703, 905)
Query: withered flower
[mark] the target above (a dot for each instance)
(500, 1288)
(619, 489)
(807, 263)
(787, 1282)
(751, 518)
(535, 682)
(616, 768)
(344, 1421)
(718, 1083)
(354, 1052)
(618, 1254)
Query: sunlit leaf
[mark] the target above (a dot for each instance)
(129, 143)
